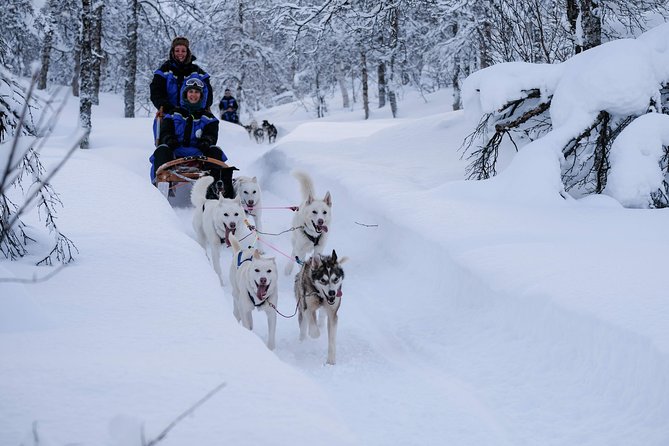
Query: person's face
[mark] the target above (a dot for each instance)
(227, 93)
(180, 52)
(193, 96)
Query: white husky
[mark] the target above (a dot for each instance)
(254, 285)
(248, 190)
(312, 218)
(214, 220)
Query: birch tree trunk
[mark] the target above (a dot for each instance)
(457, 98)
(97, 53)
(381, 74)
(341, 79)
(85, 71)
(365, 83)
(394, 36)
(591, 21)
(131, 52)
(47, 45)
(77, 67)
(45, 60)
(585, 23)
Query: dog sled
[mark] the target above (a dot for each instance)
(173, 175)
(187, 169)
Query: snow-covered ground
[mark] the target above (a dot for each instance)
(473, 313)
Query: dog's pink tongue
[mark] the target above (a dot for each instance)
(324, 228)
(261, 291)
(339, 293)
(227, 236)
(228, 231)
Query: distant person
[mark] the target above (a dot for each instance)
(191, 130)
(168, 80)
(228, 107)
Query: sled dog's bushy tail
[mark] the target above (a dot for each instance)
(198, 195)
(306, 184)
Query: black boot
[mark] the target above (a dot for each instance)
(226, 179)
(222, 183)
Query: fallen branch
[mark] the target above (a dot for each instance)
(178, 419)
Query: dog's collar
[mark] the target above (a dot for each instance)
(253, 301)
(313, 239)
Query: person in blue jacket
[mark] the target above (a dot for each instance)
(168, 80)
(191, 130)
(228, 107)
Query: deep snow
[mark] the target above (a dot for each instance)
(473, 313)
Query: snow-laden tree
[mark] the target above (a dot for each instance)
(19, 46)
(25, 121)
(578, 108)
(58, 25)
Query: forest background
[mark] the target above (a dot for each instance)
(272, 52)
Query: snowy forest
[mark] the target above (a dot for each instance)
(498, 172)
(361, 52)
(272, 51)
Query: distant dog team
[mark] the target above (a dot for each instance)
(258, 133)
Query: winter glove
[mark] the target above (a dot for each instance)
(168, 109)
(204, 144)
(172, 142)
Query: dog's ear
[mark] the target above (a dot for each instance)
(238, 199)
(334, 255)
(316, 261)
(256, 254)
(328, 199)
(310, 199)
(254, 179)
(343, 259)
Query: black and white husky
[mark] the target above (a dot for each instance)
(248, 191)
(254, 286)
(214, 220)
(318, 287)
(312, 218)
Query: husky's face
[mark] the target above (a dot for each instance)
(262, 276)
(317, 213)
(327, 276)
(229, 215)
(248, 190)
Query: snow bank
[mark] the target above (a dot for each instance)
(635, 157)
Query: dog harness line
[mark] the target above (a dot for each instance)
(240, 261)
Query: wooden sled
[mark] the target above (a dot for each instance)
(186, 169)
(181, 172)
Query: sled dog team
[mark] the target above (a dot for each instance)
(253, 276)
